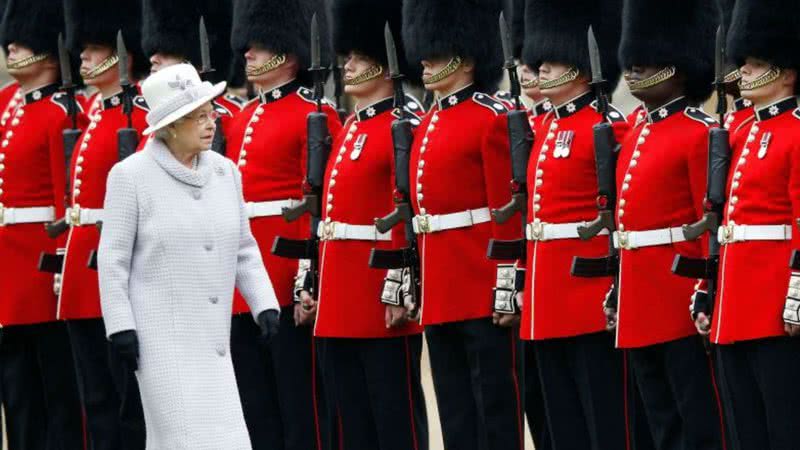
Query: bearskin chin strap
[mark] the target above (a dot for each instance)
(101, 68)
(21, 64)
(768, 77)
(449, 69)
(532, 83)
(368, 75)
(732, 76)
(657, 78)
(272, 64)
(568, 76)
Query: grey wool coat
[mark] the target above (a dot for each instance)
(175, 242)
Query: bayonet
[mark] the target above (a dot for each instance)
(509, 63)
(598, 83)
(65, 64)
(719, 69)
(205, 50)
(391, 52)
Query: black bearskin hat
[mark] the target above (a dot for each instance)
(173, 27)
(675, 32)
(725, 12)
(282, 26)
(358, 25)
(447, 28)
(515, 17)
(557, 31)
(34, 24)
(97, 22)
(765, 30)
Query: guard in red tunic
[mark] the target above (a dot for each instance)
(279, 387)
(666, 51)
(110, 395)
(372, 350)
(460, 167)
(581, 373)
(40, 395)
(170, 35)
(758, 296)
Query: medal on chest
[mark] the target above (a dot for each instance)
(358, 146)
(762, 149)
(563, 144)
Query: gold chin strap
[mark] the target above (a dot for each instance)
(273, 63)
(565, 78)
(369, 74)
(733, 75)
(768, 77)
(657, 78)
(532, 83)
(449, 69)
(101, 68)
(22, 63)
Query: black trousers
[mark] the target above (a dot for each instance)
(762, 398)
(582, 381)
(639, 435)
(679, 394)
(108, 388)
(477, 386)
(40, 394)
(279, 385)
(534, 399)
(376, 387)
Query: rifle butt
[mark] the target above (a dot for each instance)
(506, 250)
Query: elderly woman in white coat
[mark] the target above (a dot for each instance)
(175, 242)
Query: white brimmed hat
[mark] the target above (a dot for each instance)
(174, 92)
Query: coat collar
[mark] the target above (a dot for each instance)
(161, 154)
(570, 107)
(40, 93)
(776, 109)
(279, 92)
(541, 108)
(113, 101)
(741, 103)
(664, 111)
(454, 98)
(375, 109)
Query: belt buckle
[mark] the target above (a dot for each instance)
(74, 218)
(623, 238)
(328, 231)
(2, 215)
(424, 223)
(727, 234)
(537, 230)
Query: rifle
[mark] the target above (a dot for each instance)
(719, 155)
(52, 263)
(402, 140)
(319, 147)
(218, 143)
(606, 149)
(338, 87)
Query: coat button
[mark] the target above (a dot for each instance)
(197, 194)
(213, 300)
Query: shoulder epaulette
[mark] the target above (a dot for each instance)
(235, 99)
(220, 108)
(699, 115)
(61, 99)
(308, 95)
(795, 113)
(141, 103)
(489, 102)
(614, 114)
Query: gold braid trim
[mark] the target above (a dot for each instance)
(733, 75)
(657, 78)
(768, 77)
(101, 68)
(369, 74)
(449, 69)
(27, 61)
(272, 64)
(530, 84)
(565, 78)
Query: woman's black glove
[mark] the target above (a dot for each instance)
(126, 346)
(269, 322)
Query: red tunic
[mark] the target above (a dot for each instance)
(763, 189)
(562, 182)
(268, 140)
(739, 118)
(460, 161)
(358, 187)
(31, 175)
(661, 180)
(8, 92)
(94, 156)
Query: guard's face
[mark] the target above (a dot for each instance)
(17, 52)
(655, 94)
(355, 65)
(434, 66)
(92, 56)
(196, 129)
(527, 75)
(161, 60)
(755, 68)
(549, 71)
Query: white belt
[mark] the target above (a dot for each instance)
(39, 214)
(732, 232)
(78, 216)
(630, 240)
(543, 231)
(338, 231)
(268, 209)
(427, 223)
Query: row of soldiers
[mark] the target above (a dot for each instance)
(642, 225)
